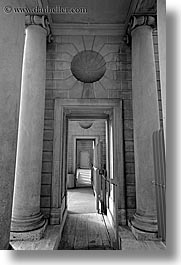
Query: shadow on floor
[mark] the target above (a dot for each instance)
(84, 228)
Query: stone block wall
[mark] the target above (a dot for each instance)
(115, 84)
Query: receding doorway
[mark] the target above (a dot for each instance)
(81, 177)
(67, 111)
(84, 162)
(86, 226)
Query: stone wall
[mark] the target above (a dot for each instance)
(115, 84)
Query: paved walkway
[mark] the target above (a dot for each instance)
(81, 200)
(85, 232)
(84, 228)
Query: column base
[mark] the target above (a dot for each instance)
(26, 224)
(33, 235)
(28, 228)
(144, 227)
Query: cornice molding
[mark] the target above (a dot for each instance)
(87, 29)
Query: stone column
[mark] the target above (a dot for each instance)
(11, 57)
(26, 214)
(146, 121)
(161, 21)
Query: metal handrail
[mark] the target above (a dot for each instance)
(109, 181)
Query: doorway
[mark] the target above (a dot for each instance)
(86, 156)
(110, 172)
(84, 162)
(81, 155)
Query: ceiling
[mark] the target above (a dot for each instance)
(99, 12)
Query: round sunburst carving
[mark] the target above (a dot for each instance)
(88, 66)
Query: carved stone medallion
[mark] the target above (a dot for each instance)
(88, 66)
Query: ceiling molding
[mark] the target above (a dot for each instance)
(87, 29)
(149, 6)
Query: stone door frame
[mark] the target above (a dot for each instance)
(73, 109)
(80, 137)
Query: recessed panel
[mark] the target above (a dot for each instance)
(98, 11)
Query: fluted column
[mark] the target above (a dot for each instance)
(11, 57)
(26, 214)
(161, 22)
(146, 121)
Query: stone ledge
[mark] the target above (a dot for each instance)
(30, 235)
(49, 241)
(129, 242)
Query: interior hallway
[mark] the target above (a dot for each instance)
(84, 228)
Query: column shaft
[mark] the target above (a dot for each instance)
(11, 56)
(146, 121)
(161, 21)
(26, 205)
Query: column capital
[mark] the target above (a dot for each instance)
(137, 21)
(41, 21)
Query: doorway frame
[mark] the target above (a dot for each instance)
(77, 137)
(74, 109)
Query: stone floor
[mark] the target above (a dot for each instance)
(86, 230)
(50, 240)
(81, 200)
(129, 242)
